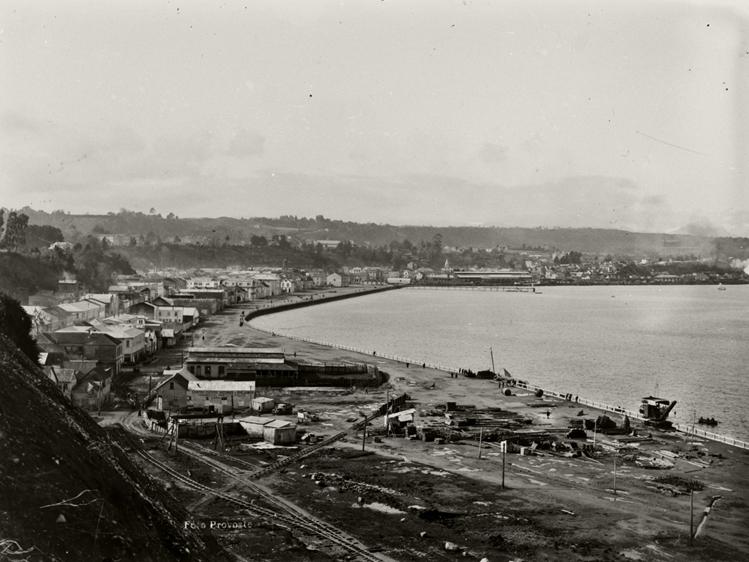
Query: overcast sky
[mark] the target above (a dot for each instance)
(608, 114)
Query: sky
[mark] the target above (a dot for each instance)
(631, 114)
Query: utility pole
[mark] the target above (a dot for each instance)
(503, 450)
(491, 353)
(481, 438)
(691, 515)
(98, 393)
(387, 412)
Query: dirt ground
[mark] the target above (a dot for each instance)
(411, 497)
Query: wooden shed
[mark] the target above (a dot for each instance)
(261, 404)
(254, 425)
(279, 432)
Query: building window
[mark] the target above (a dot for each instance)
(221, 370)
(171, 386)
(207, 370)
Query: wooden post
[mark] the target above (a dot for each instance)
(614, 476)
(387, 412)
(503, 446)
(364, 435)
(481, 438)
(691, 515)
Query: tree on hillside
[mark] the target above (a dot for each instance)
(258, 241)
(14, 234)
(95, 267)
(43, 235)
(16, 325)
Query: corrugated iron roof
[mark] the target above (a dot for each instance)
(255, 420)
(279, 424)
(221, 386)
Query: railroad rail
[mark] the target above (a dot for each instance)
(290, 518)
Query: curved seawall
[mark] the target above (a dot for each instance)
(272, 309)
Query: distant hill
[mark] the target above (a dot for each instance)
(225, 230)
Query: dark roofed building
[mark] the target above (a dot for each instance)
(91, 345)
(93, 388)
(266, 365)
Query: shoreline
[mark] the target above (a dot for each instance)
(373, 354)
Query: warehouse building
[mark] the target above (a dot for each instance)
(221, 397)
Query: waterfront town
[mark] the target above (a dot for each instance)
(89, 339)
(147, 363)
(277, 448)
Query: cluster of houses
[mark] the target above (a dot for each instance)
(88, 339)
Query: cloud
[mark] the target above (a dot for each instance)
(701, 226)
(585, 201)
(246, 143)
(493, 153)
(14, 123)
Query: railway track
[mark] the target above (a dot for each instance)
(284, 514)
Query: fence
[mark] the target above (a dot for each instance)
(691, 430)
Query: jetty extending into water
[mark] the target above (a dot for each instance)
(493, 288)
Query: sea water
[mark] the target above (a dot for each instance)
(613, 344)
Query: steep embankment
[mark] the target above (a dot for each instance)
(67, 492)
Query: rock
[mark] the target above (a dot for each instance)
(423, 534)
(61, 519)
(451, 546)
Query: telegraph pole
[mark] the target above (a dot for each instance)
(691, 515)
(503, 448)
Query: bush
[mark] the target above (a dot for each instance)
(16, 325)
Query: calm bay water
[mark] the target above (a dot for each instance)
(612, 344)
